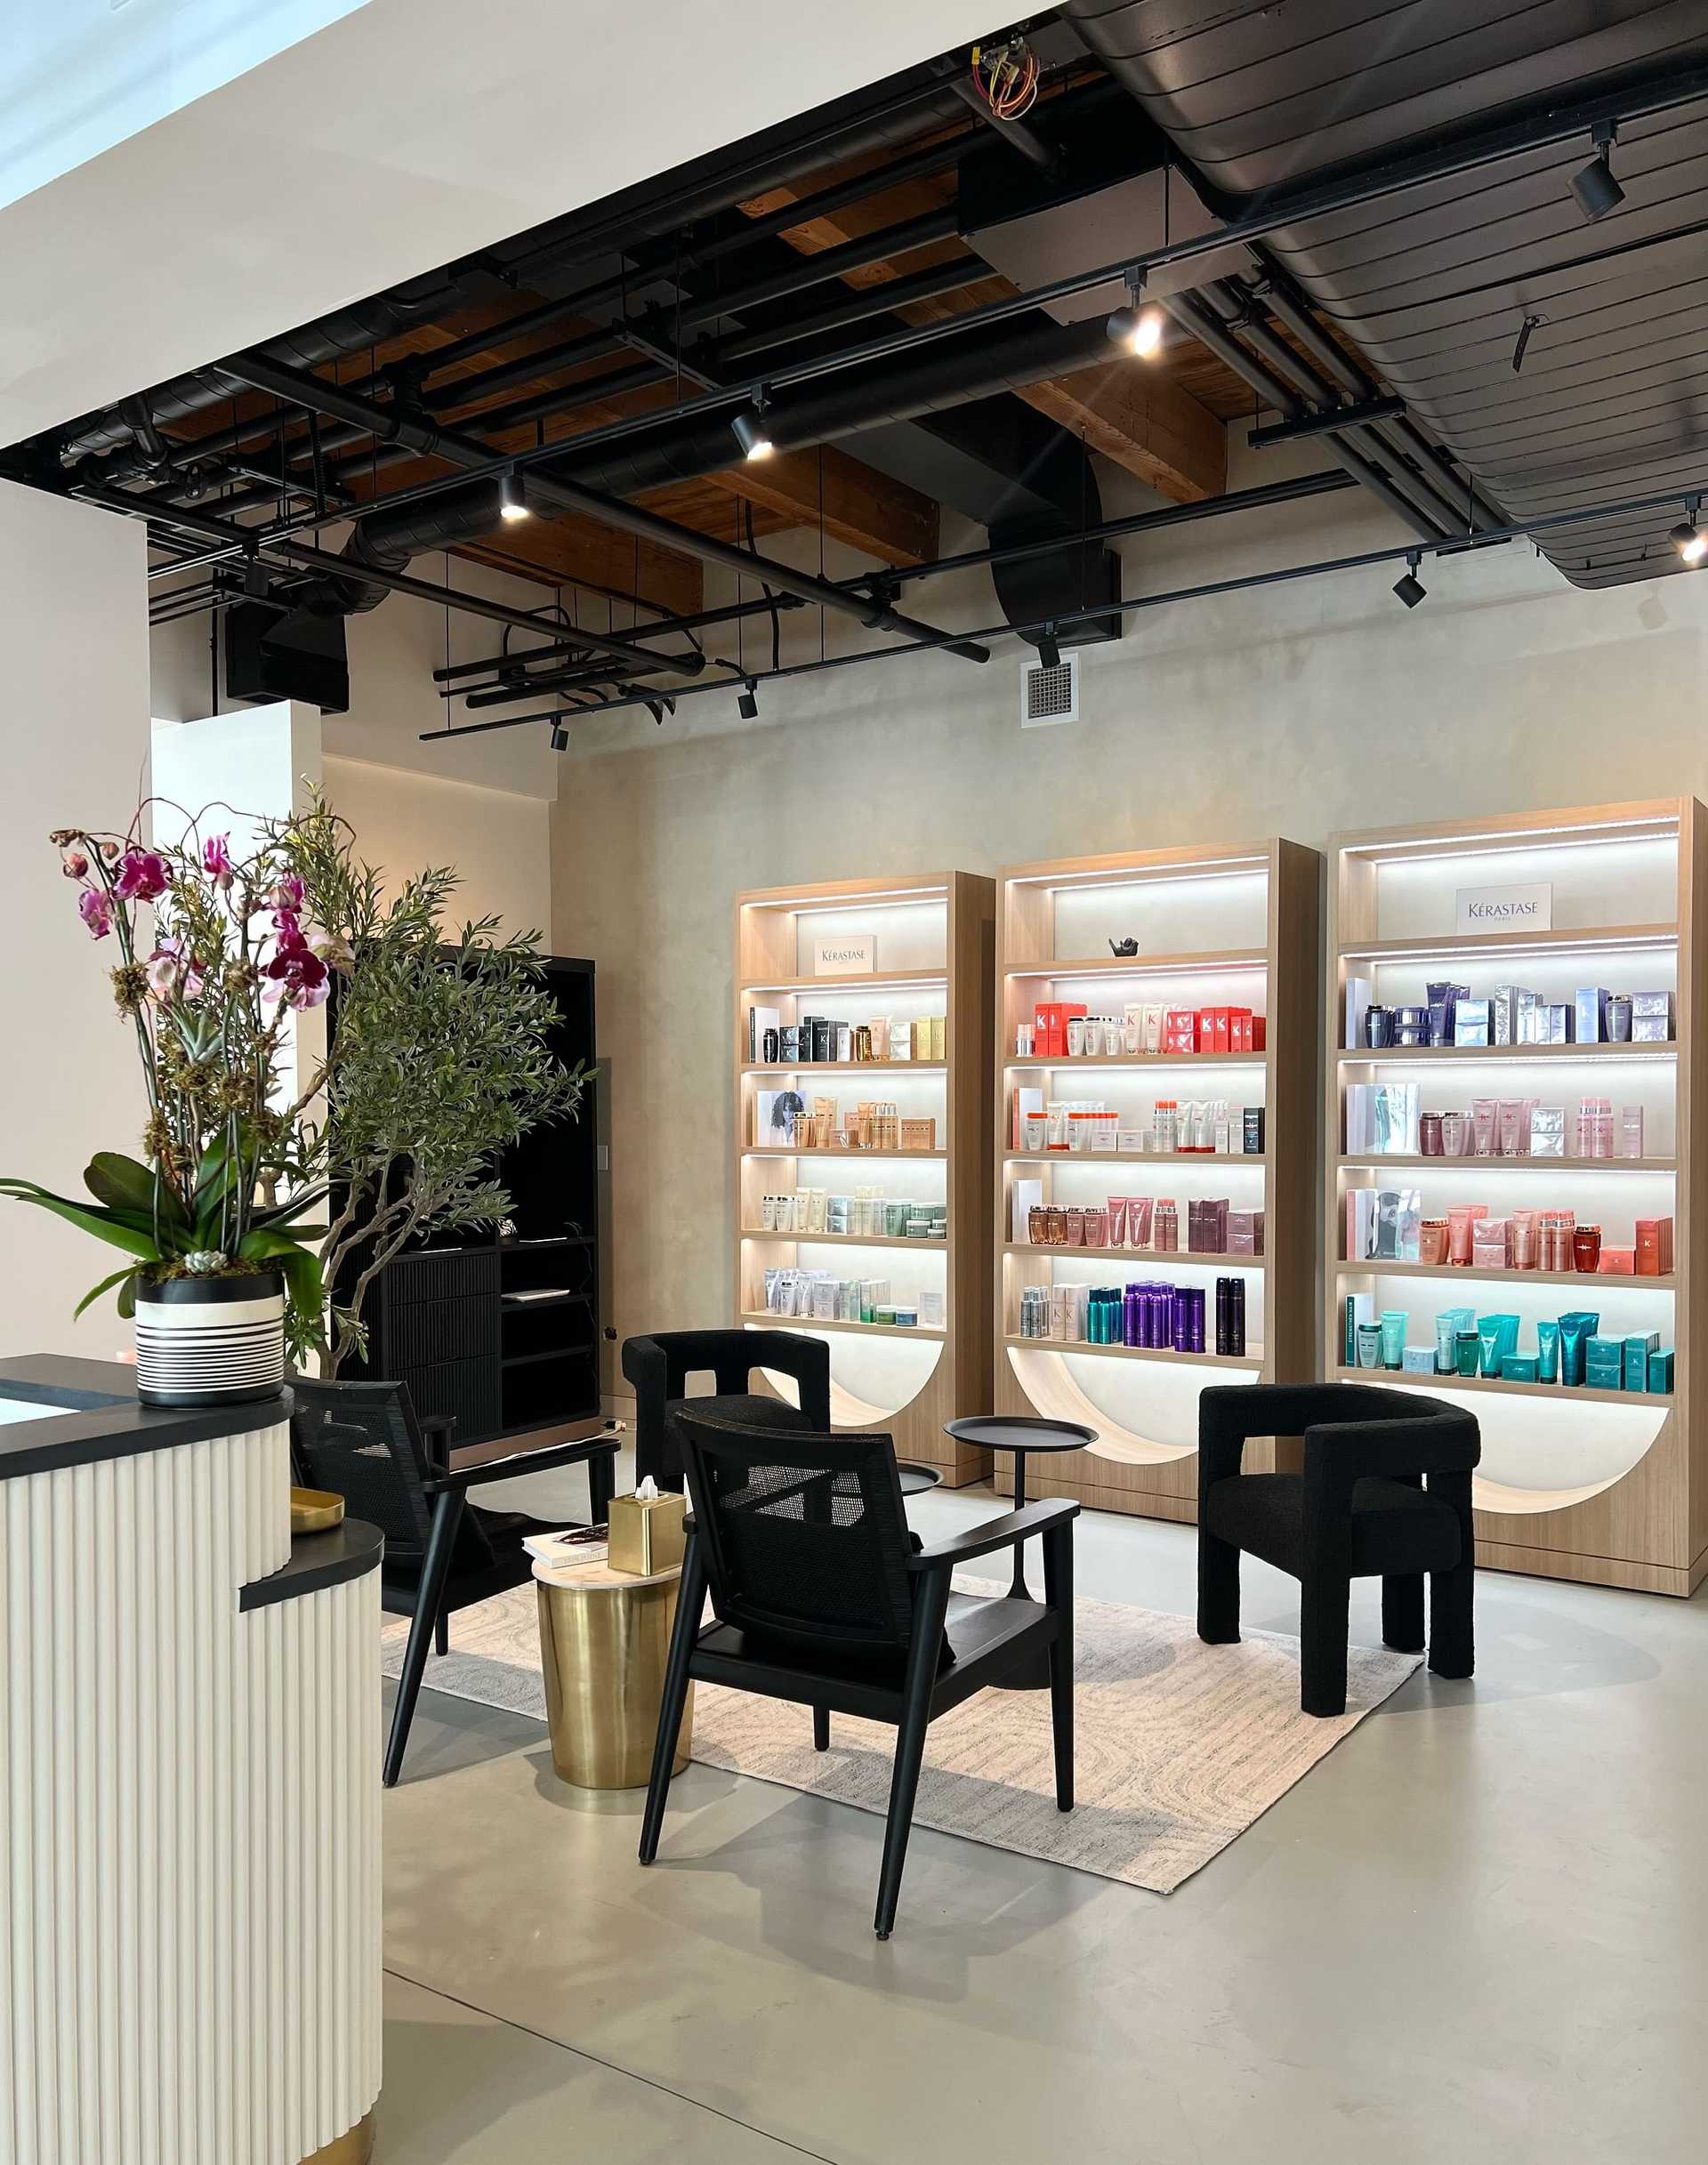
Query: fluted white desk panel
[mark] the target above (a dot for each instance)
(188, 1814)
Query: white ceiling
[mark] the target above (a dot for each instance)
(408, 133)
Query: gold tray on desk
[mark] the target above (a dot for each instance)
(315, 1510)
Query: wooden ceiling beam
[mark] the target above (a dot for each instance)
(1134, 414)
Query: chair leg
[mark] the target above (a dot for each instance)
(442, 1634)
(821, 1728)
(929, 1606)
(1217, 1591)
(1058, 1597)
(690, 1598)
(430, 1594)
(1402, 1613)
(601, 1481)
(1452, 1651)
(1324, 1601)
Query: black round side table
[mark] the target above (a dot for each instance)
(1021, 1433)
(915, 1477)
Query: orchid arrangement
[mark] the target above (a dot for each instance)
(214, 952)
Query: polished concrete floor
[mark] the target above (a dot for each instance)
(1478, 1931)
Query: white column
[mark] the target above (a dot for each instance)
(76, 646)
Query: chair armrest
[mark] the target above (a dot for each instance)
(804, 1358)
(520, 1462)
(1343, 1451)
(437, 1430)
(995, 1533)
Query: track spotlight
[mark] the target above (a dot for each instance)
(1049, 653)
(559, 737)
(1410, 589)
(1139, 326)
(750, 429)
(1594, 186)
(747, 705)
(512, 505)
(1688, 538)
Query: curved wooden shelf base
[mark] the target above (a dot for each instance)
(1051, 1388)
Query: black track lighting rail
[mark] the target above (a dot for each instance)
(1406, 554)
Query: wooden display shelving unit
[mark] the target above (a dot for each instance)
(1234, 925)
(1603, 1485)
(934, 939)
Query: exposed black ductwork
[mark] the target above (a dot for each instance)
(893, 111)
(329, 340)
(943, 376)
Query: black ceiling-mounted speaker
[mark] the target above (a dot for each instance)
(1066, 581)
(276, 653)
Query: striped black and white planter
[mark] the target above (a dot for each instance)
(210, 1341)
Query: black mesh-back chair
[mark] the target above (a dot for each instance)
(820, 1597)
(1385, 1493)
(362, 1441)
(660, 1367)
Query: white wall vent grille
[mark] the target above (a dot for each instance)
(1049, 696)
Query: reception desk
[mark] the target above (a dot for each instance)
(189, 1758)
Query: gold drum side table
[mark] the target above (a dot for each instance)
(604, 1639)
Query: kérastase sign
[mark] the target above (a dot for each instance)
(1506, 909)
(845, 955)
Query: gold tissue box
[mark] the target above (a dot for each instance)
(646, 1535)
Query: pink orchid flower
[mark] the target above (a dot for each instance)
(95, 907)
(141, 876)
(216, 860)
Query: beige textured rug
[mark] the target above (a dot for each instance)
(1180, 1746)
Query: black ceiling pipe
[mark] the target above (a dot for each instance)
(811, 270)
(949, 374)
(1199, 320)
(876, 614)
(945, 375)
(876, 119)
(367, 324)
(1244, 312)
(882, 300)
(933, 157)
(888, 114)
(285, 550)
(372, 547)
(808, 271)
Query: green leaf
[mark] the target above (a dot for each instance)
(125, 1277)
(128, 1187)
(283, 1213)
(104, 1224)
(211, 1173)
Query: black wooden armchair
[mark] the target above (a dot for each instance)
(362, 1441)
(1385, 1493)
(820, 1597)
(660, 1367)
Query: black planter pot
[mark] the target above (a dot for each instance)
(210, 1341)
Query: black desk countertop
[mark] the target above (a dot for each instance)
(96, 1415)
(343, 1551)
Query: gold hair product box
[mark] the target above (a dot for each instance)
(646, 1533)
